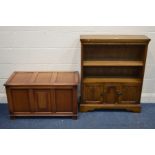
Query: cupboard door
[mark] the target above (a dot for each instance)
(130, 93)
(20, 100)
(93, 93)
(111, 93)
(42, 100)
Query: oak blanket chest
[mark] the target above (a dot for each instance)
(42, 94)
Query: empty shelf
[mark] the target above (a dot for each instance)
(113, 63)
(97, 80)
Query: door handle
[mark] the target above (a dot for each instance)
(119, 93)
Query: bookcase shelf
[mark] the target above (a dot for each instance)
(103, 79)
(112, 71)
(113, 63)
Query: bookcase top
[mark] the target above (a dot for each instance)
(114, 39)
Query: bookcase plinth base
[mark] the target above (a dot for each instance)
(128, 107)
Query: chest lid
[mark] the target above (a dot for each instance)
(42, 78)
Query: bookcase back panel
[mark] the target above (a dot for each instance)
(113, 52)
(120, 71)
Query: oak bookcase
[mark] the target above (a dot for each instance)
(112, 71)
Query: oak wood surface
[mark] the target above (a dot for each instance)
(112, 69)
(101, 80)
(43, 78)
(113, 52)
(128, 107)
(112, 93)
(114, 38)
(113, 63)
(42, 94)
(93, 93)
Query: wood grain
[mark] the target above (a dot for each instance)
(113, 63)
(43, 78)
(114, 38)
(42, 94)
(112, 69)
(128, 107)
(120, 80)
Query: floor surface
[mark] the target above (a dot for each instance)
(88, 120)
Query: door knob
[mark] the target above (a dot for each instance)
(119, 93)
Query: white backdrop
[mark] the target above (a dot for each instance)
(58, 48)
